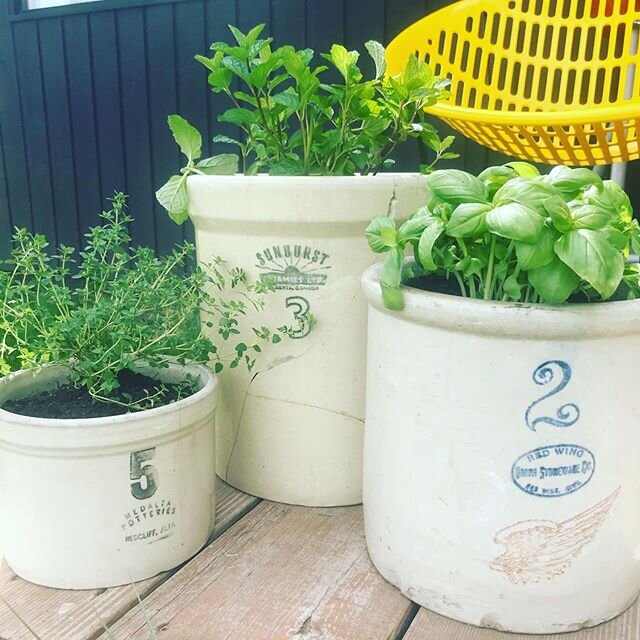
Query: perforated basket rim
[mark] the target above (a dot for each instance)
(588, 115)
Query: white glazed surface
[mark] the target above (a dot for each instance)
(451, 417)
(70, 516)
(291, 430)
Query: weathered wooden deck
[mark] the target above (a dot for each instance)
(271, 572)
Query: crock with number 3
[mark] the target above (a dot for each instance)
(291, 430)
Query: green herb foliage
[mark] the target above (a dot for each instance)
(118, 305)
(294, 123)
(512, 234)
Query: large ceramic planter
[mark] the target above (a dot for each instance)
(501, 475)
(291, 430)
(100, 502)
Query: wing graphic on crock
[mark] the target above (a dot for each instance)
(542, 549)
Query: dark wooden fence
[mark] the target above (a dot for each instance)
(85, 91)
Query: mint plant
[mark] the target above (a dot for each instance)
(119, 305)
(514, 235)
(294, 123)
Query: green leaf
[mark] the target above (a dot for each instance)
(240, 38)
(223, 164)
(525, 191)
(612, 198)
(288, 98)
(532, 256)
(571, 182)
(188, 138)
(559, 213)
(523, 169)
(588, 216)
(381, 234)
(252, 36)
(425, 245)
(376, 51)
(494, 177)
(515, 222)
(390, 279)
(456, 187)
(174, 198)
(468, 220)
(512, 287)
(343, 59)
(411, 230)
(554, 282)
(590, 254)
(238, 116)
(237, 67)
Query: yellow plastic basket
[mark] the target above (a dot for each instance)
(551, 81)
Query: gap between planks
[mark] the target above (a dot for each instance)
(58, 614)
(282, 572)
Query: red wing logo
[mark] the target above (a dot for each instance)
(538, 550)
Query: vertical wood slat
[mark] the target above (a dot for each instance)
(29, 68)
(6, 228)
(61, 151)
(136, 125)
(83, 121)
(112, 158)
(162, 89)
(11, 122)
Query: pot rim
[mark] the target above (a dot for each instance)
(110, 432)
(524, 321)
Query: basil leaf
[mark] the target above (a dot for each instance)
(571, 182)
(523, 169)
(390, 278)
(554, 282)
(468, 220)
(559, 212)
(588, 216)
(411, 230)
(590, 254)
(532, 256)
(515, 222)
(187, 137)
(495, 177)
(425, 245)
(611, 197)
(456, 187)
(531, 193)
(381, 234)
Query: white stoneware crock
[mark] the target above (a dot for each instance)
(501, 475)
(291, 430)
(100, 502)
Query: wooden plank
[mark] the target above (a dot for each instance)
(281, 572)
(71, 615)
(430, 626)
(63, 167)
(288, 22)
(6, 228)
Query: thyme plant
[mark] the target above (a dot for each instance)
(116, 305)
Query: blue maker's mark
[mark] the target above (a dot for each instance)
(567, 414)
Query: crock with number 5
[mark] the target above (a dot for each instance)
(99, 502)
(291, 430)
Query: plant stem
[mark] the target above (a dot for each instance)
(489, 276)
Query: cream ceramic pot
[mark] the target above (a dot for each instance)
(501, 476)
(101, 502)
(291, 429)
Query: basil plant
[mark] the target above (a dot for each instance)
(512, 234)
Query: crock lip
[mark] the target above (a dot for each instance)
(525, 321)
(386, 176)
(131, 419)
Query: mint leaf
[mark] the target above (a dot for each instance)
(174, 198)
(187, 137)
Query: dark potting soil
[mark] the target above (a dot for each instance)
(67, 402)
(435, 284)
